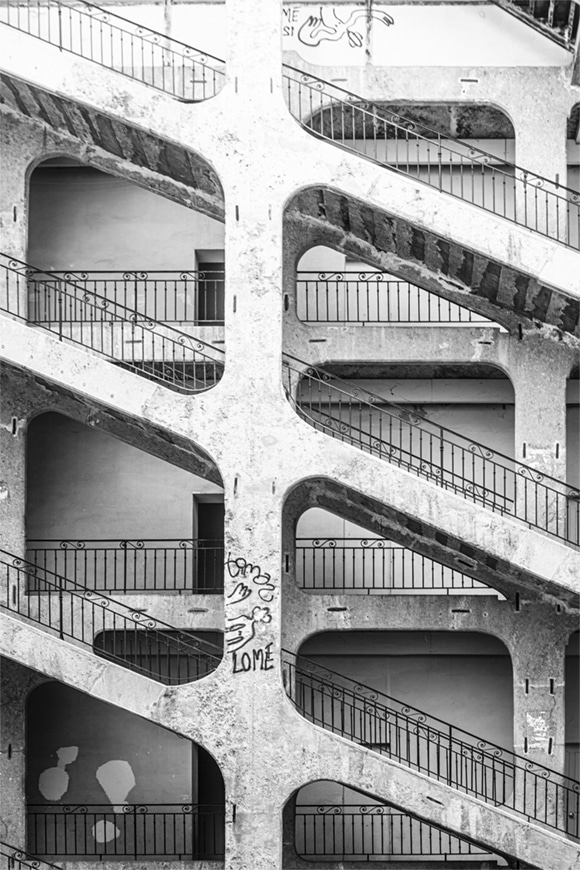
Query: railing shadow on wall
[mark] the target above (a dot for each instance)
(405, 438)
(119, 44)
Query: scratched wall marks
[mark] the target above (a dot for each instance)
(247, 616)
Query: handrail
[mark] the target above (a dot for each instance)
(193, 296)
(129, 48)
(174, 831)
(126, 336)
(348, 296)
(18, 857)
(425, 743)
(140, 642)
(134, 564)
(372, 565)
(406, 438)
(412, 148)
(524, 10)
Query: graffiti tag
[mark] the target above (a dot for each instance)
(330, 26)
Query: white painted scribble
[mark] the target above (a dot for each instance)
(53, 782)
(329, 26)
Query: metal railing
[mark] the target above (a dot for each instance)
(372, 565)
(558, 19)
(373, 297)
(16, 859)
(134, 565)
(451, 166)
(193, 297)
(436, 748)
(123, 335)
(401, 436)
(364, 832)
(114, 631)
(119, 44)
(164, 831)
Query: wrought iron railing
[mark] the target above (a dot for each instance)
(134, 565)
(404, 437)
(367, 832)
(452, 166)
(164, 831)
(119, 44)
(18, 859)
(372, 565)
(123, 335)
(373, 297)
(193, 297)
(436, 748)
(558, 19)
(130, 637)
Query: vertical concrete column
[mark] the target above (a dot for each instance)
(16, 682)
(541, 150)
(538, 659)
(12, 467)
(17, 154)
(540, 428)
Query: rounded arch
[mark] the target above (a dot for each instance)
(94, 767)
(133, 514)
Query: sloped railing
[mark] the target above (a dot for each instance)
(557, 19)
(453, 167)
(191, 296)
(18, 859)
(119, 44)
(128, 636)
(123, 335)
(412, 737)
(134, 564)
(405, 438)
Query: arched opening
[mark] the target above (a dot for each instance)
(128, 244)
(101, 782)
(114, 518)
(461, 678)
(331, 821)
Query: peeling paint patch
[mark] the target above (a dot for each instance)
(104, 832)
(116, 778)
(53, 782)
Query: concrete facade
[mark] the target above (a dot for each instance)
(241, 159)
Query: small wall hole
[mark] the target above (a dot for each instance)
(525, 745)
(550, 745)
(235, 303)
(286, 302)
(237, 212)
(557, 449)
(14, 425)
(524, 449)
(518, 604)
(14, 213)
(552, 686)
(286, 562)
(236, 485)
(527, 687)
(9, 753)
(14, 596)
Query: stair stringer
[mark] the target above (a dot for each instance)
(411, 508)
(325, 755)
(316, 163)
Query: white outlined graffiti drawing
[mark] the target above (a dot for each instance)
(329, 26)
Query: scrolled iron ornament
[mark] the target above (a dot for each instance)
(24, 567)
(78, 808)
(138, 617)
(187, 808)
(75, 276)
(415, 715)
(23, 857)
(530, 473)
(324, 542)
(479, 156)
(372, 810)
(139, 276)
(334, 810)
(75, 545)
(480, 450)
(532, 180)
(135, 545)
(373, 543)
(92, 596)
(331, 276)
(314, 83)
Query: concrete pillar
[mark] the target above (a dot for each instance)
(17, 681)
(12, 467)
(540, 431)
(17, 154)
(541, 150)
